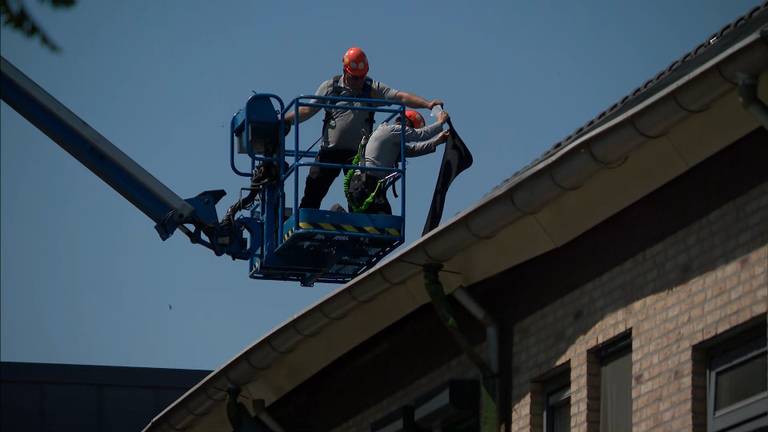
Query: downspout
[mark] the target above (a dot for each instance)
(491, 385)
(241, 419)
(491, 328)
(445, 313)
(260, 411)
(490, 368)
(750, 99)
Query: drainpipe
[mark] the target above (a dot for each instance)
(445, 312)
(491, 328)
(750, 100)
(242, 421)
(260, 410)
(491, 382)
(490, 368)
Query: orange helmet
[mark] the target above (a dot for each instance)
(355, 62)
(417, 121)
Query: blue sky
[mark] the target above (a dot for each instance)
(85, 278)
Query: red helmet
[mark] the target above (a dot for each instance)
(417, 121)
(355, 62)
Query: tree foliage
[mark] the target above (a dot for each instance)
(16, 15)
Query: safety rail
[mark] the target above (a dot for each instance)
(322, 102)
(307, 245)
(354, 104)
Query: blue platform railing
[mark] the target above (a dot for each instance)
(355, 104)
(298, 154)
(275, 222)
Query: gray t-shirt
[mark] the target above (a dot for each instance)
(346, 128)
(383, 148)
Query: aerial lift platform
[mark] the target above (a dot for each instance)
(308, 245)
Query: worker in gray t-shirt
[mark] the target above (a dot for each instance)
(366, 190)
(343, 128)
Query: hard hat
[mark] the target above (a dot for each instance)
(355, 62)
(417, 121)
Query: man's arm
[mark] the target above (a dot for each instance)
(423, 134)
(305, 113)
(383, 91)
(426, 147)
(426, 132)
(415, 101)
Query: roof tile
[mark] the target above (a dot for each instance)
(646, 88)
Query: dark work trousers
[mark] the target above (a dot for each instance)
(319, 179)
(380, 203)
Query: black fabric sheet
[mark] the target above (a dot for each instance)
(456, 159)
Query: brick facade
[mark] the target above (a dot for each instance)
(694, 285)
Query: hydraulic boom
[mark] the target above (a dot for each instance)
(105, 160)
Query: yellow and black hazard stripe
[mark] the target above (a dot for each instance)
(343, 228)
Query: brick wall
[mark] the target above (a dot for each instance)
(690, 287)
(694, 285)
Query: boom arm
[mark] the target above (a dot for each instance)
(107, 161)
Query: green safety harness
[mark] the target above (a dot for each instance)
(337, 89)
(353, 206)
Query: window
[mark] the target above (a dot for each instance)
(557, 411)
(450, 407)
(551, 400)
(737, 382)
(610, 386)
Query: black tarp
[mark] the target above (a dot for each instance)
(456, 159)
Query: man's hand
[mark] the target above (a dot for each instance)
(442, 117)
(434, 102)
(414, 101)
(443, 137)
(305, 113)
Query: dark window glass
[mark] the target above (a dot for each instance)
(556, 391)
(557, 416)
(616, 391)
(740, 382)
(450, 407)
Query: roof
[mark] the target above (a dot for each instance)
(705, 51)
(659, 131)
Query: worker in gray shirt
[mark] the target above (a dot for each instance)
(344, 128)
(365, 189)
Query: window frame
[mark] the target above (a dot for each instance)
(604, 354)
(447, 405)
(745, 414)
(556, 396)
